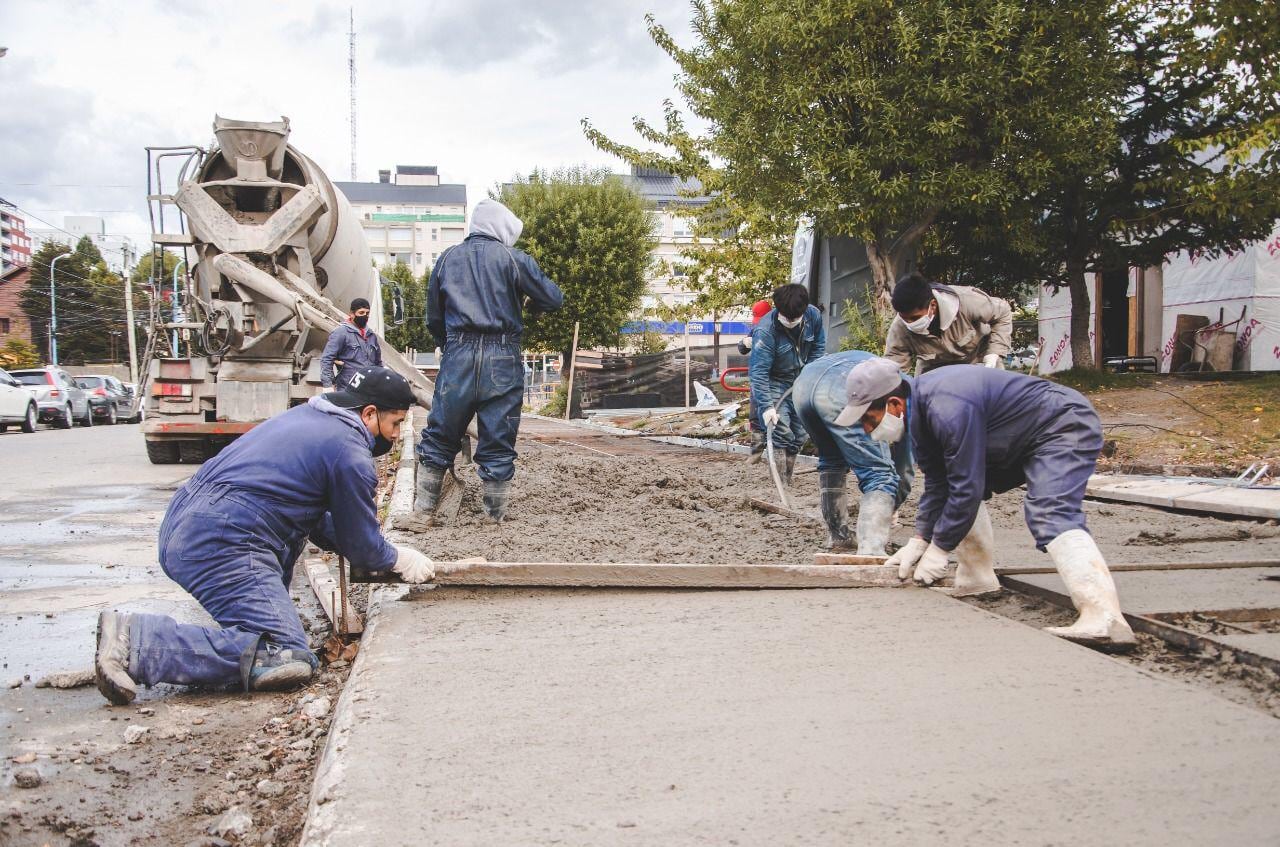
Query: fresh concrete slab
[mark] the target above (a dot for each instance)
(1152, 592)
(581, 717)
(1263, 644)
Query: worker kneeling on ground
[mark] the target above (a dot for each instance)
(978, 432)
(883, 470)
(786, 339)
(474, 305)
(947, 325)
(232, 533)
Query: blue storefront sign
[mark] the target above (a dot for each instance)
(695, 327)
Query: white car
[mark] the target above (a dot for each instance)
(17, 406)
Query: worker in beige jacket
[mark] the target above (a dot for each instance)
(946, 325)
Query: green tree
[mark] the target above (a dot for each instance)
(413, 332)
(19, 353)
(874, 117)
(591, 234)
(90, 302)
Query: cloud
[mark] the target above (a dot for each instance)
(560, 35)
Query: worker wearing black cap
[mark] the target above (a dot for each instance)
(232, 533)
(351, 347)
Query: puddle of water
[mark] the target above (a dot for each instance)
(18, 575)
(16, 534)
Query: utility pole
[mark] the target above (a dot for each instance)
(53, 310)
(127, 250)
(351, 68)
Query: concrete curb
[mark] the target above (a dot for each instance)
(327, 784)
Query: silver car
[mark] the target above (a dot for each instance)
(59, 400)
(17, 406)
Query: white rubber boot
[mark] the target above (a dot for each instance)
(875, 513)
(1093, 592)
(975, 559)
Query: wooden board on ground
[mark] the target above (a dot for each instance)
(1258, 502)
(324, 582)
(847, 559)
(773, 508)
(664, 575)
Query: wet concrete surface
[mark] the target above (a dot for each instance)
(79, 513)
(1155, 592)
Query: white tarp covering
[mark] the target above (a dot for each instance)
(1055, 328)
(1243, 287)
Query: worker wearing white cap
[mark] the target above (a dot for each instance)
(979, 431)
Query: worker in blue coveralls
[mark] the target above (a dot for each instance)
(788, 338)
(232, 533)
(883, 471)
(982, 431)
(474, 309)
(351, 348)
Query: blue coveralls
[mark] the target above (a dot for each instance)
(777, 356)
(819, 396)
(232, 533)
(473, 303)
(980, 431)
(355, 350)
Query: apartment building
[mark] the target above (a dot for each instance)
(408, 215)
(15, 242)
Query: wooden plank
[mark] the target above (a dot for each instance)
(663, 575)
(766, 506)
(1247, 502)
(324, 582)
(1120, 567)
(847, 559)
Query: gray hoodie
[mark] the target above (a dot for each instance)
(495, 220)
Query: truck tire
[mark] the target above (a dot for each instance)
(193, 452)
(162, 452)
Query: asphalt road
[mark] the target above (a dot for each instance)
(79, 513)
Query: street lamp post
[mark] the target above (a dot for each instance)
(53, 310)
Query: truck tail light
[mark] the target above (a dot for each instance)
(170, 389)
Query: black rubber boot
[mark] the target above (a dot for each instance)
(835, 508)
(111, 662)
(495, 498)
(430, 480)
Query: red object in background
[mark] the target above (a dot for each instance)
(727, 387)
(759, 310)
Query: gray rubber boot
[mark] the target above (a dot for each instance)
(111, 662)
(789, 469)
(875, 519)
(757, 446)
(430, 479)
(835, 509)
(495, 499)
(280, 670)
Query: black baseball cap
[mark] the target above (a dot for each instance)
(381, 387)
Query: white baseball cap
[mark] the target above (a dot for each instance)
(869, 380)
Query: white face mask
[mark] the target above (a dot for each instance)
(920, 326)
(889, 430)
(790, 323)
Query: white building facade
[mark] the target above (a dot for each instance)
(409, 216)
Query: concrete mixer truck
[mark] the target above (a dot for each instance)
(273, 254)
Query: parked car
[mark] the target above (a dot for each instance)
(108, 397)
(58, 398)
(17, 406)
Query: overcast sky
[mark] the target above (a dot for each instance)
(482, 88)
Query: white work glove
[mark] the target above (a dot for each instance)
(991, 360)
(413, 566)
(907, 556)
(770, 418)
(932, 565)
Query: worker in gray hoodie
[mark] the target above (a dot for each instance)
(474, 311)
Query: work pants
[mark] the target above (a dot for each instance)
(789, 434)
(819, 396)
(481, 376)
(1055, 470)
(212, 544)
